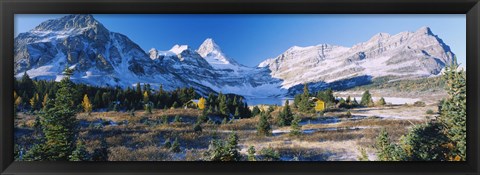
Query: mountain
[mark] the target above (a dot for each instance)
(405, 55)
(100, 57)
(210, 67)
(104, 58)
(214, 55)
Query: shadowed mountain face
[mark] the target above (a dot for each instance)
(103, 58)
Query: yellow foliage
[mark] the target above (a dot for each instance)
(87, 105)
(17, 98)
(45, 99)
(34, 101)
(319, 105)
(202, 103)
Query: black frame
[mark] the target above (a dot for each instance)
(10, 7)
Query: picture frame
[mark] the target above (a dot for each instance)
(10, 7)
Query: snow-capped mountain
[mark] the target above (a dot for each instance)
(407, 54)
(100, 57)
(216, 71)
(104, 58)
(214, 55)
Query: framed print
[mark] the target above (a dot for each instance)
(187, 87)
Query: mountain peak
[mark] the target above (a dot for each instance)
(178, 49)
(425, 30)
(208, 46)
(74, 21)
(213, 54)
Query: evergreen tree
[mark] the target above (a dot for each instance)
(87, 105)
(97, 101)
(27, 86)
(269, 154)
(197, 127)
(222, 104)
(167, 143)
(223, 151)
(175, 146)
(80, 153)
(177, 119)
(355, 102)
(363, 155)
(296, 129)
(424, 142)
(59, 123)
(224, 121)
(232, 147)
(385, 149)
(237, 112)
(251, 153)
(175, 105)
(263, 127)
(366, 99)
(285, 117)
(454, 112)
(148, 108)
(304, 104)
(255, 111)
(381, 102)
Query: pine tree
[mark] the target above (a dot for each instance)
(363, 155)
(454, 112)
(175, 105)
(366, 99)
(424, 143)
(285, 117)
(148, 108)
(232, 148)
(167, 143)
(304, 104)
(80, 153)
(237, 112)
(59, 123)
(224, 121)
(87, 105)
(381, 102)
(384, 146)
(222, 104)
(26, 85)
(296, 129)
(197, 127)
(355, 102)
(263, 127)
(97, 101)
(251, 153)
(175, 146)
(255, 111)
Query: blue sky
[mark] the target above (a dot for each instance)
(250, 39)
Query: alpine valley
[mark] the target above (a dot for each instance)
(100, 57)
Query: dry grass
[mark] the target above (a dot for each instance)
(141, 137)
